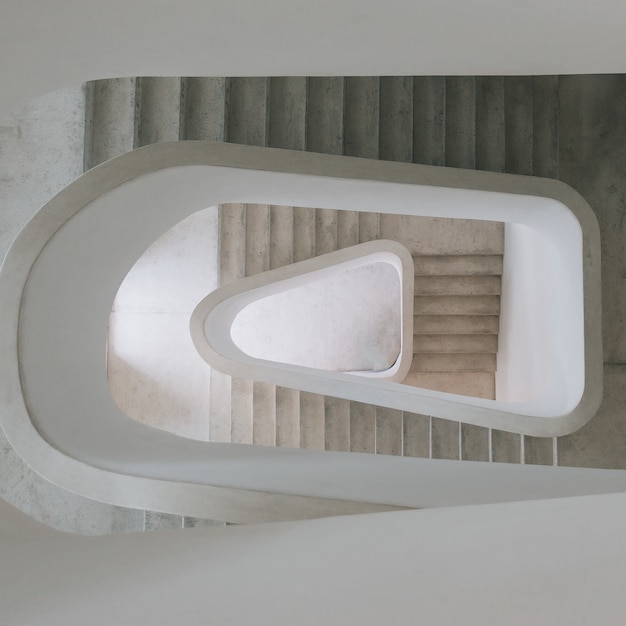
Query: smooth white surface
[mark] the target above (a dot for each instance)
(540, 342)
(154, 373)
(48, 45)
(215, 315)
(346, 322)
(542, 563)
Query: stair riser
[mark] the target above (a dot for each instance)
(454, 363)
(458, 285)
(456, 305)
(458, 265)
(476, 384)
(455, 344)
(452, 324)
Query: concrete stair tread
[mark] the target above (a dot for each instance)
(443, 236)
(458, 265)
(455, 343)
(452, 324)
(476, 384)
(458, 285)
(456, 305)
(453, 362)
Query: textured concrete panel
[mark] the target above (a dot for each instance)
(287, 112)
(389, 431)
(518, 103)
(429, 130)
(538, 450)
(204, 101)
(602, 441)
(396, 118)
(362, 116)
(445, 439)
(416, 435)
(337, 424)
(246, 110)
(593, 160)
(324, 123)
(474, 443)
(460, 121)
(505, 447)
(362, 427)
(490, 123)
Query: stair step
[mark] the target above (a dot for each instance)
(281, 236)
(257, 257)
(159, 101)
(435, 236)
(246, 102)
(458, 265)
(490, 123)
(287, 112)
(477, 384)
(325, 231)
(388, 431)
(287, 417)
(220, 407)
(204, 108)
(453, 362)
(324, 114)
(232, 242)
(452, 324)
(110, 119)
(482, 343)
(337, 424)
(460, 134)
(361, 116)
(362, 427)
(264, 412)
(458, 285)
(312, 428)
(241, 410)
(304, 225)
(456, 305)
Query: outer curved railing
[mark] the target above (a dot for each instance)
(61, 275)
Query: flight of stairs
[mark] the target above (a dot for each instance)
(492, 123)
(455, 324)
(455, 330)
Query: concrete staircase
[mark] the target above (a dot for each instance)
(456, 321)
(491, 123)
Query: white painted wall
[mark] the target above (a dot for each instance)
(541, 339)
(154, 373)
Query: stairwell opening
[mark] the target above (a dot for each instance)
(156, 376)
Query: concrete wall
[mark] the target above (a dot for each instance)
(30, 176)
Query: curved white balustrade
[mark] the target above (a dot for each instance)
(213, 318)
(62, 273)
(551, 562)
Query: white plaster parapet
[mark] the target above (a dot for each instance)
(213, 318)
(59, 280)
